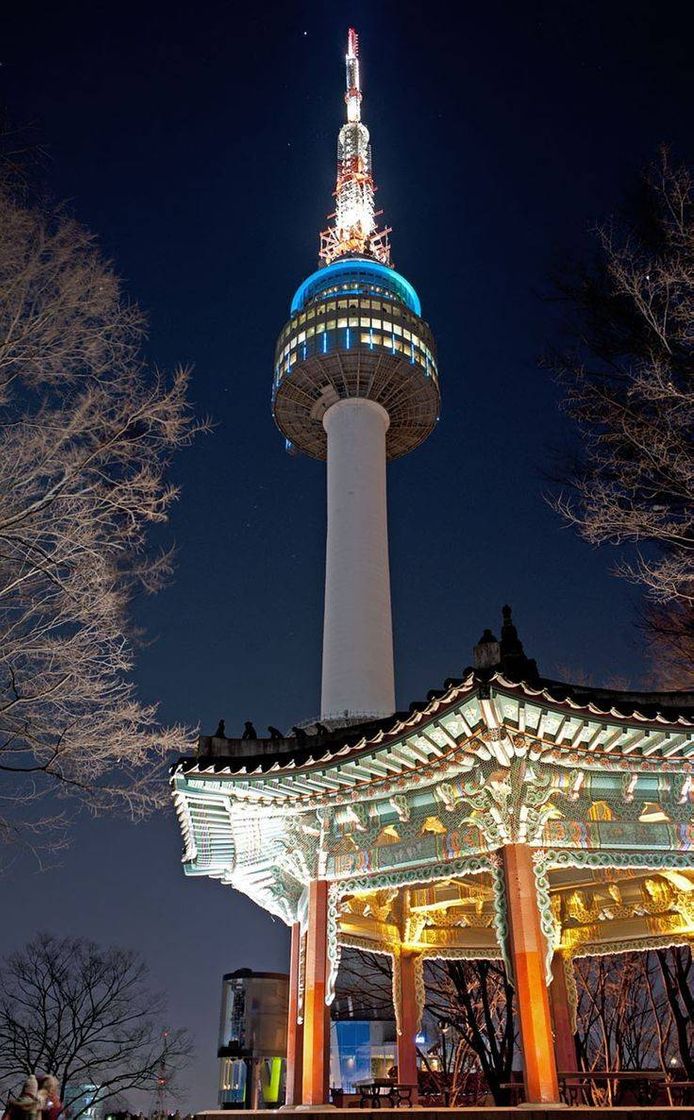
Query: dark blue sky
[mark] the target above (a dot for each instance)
(198, 143)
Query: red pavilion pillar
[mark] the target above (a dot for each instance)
(527, 952)
(316, 1062)
(564, 1041)
(295, 1029)
(408, 1025)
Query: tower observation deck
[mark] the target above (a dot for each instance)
(356, 383)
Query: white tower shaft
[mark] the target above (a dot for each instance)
(358, 675)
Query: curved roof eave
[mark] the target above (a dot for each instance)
(612, 706)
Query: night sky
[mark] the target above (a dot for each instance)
(198, 142)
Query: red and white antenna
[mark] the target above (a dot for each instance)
(353, 94)
(162, 1079)
(354, 232)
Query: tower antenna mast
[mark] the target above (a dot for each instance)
(162, 1080)
(354, 230)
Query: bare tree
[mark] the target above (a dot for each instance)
(635, 1011)
(670, 627)
(86, 433)
(476, 999)
(364, 988)
(628, 376)
(677, 970)
(87, 1016)
(470, 1001)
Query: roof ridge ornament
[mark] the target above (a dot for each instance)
(506, 654)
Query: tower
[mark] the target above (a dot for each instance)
(511, 817)
(356, 384)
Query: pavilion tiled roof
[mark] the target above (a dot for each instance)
(660, 710)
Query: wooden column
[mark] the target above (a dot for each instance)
(409, 1025)
(527, 952)
(295, 1029)
(564, 1041)
(316, 1013)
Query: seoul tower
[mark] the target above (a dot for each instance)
(356, 384)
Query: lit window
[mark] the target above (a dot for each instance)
(376, 323)
(331, 324)
(397, 328)
(364, 322)
(310, 331)
(341, 323)
(364, 337)
(406, 334)
(342, 304)
(378, 339)
(320, 327)
(301, 337)
(353, 321)
(302, 317)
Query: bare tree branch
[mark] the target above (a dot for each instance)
(628, 379)
(87, 1016)
(87, 431)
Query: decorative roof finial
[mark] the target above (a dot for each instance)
(507, 655)
(487, 653)
(511, 644)
(514, 663)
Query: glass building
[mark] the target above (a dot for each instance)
(361, 1050)
(252, 1039)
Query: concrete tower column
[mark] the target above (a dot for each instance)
(357, 626)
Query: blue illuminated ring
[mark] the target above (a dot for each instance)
(336, 270)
